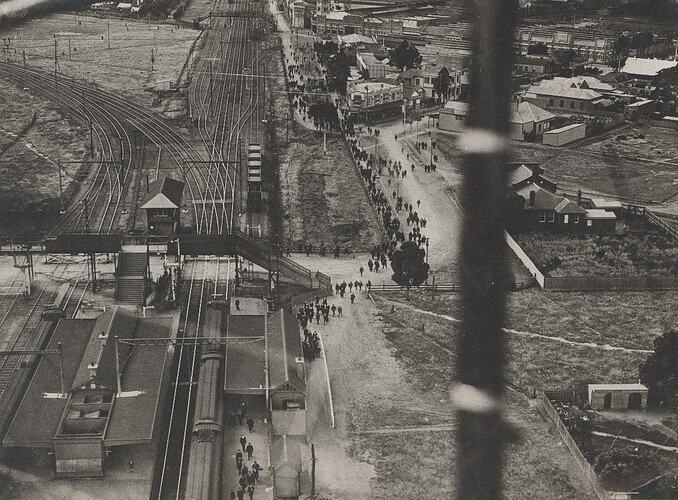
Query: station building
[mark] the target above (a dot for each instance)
(113, 399)
(264, 358)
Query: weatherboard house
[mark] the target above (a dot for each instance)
(162, 205)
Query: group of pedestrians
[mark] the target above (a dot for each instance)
(247, 476)
(317, 310)
(311, 345)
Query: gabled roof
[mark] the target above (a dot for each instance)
(543, 198)
(598, 214)
(284, 349)
(164, 192)
(114, 322)
(567, 92)
(519, 174)
(646, 67)
(528, 112)
(569, 207)
(285, 452)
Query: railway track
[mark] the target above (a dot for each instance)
(222, 111)
(28, 337)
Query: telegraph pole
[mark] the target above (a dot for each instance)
(209, 109)
(56, 60)
(61, 192)
(313, 461)
(109, 34)
(69, 49)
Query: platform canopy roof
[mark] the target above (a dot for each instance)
(144, 375)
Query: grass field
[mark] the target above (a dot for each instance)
(125, 68)
(34, 135)
(617, 167)
(537, 467)
(641, 250)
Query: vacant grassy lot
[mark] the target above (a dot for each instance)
(643, 166)
(640, 251)
(537, 467)
(125, 67)
(322, 197)
(625, 319)
(34, 135)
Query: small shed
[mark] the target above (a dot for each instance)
(617, 396)
(565, 135)
(285, 457)
(601, 221)
(162, 204)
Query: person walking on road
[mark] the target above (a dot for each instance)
(362, 270)
(256, 468)
(243, 442)
(238, 460)
(249, 450)
(352, 298)
(241, 494)
(250, 423)
(250, 491)
(334, 309)
(339, 311)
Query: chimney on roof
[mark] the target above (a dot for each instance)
(92, 367)
(578, 196)
(299, 360)
(535, 172)
(533, 195)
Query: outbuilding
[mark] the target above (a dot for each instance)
(285, 457)
(617, 396)
(565, 135)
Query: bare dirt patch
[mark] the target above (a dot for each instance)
(322, 197)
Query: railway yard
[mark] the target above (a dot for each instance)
(170, 210)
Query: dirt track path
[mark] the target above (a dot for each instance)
(592, 345)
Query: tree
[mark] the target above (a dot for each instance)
(641, 40)
(323, 114)
(515, 205)
(441, 85)
(564, 57)
(620, 48)
(409, 268)
(338, 71)
(405, 56)
(666, 88)
(659, 372)
(537, 49)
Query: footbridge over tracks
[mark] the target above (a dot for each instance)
(233, 244)
(238, 244)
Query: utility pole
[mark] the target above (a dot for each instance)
(69, 49)
(91, 138)
(61, 191)
(56, 60)
(313, 461)
(109, 34)
(24, 57)
(209, 109)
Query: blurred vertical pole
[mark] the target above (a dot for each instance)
(481, 348)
